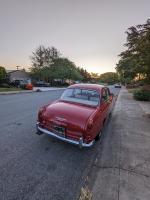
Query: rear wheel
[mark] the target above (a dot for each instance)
(39, 132)
(110, 114)
(98, 136)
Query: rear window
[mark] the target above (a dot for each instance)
(83, 96)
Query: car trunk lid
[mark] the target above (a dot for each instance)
(72, 117)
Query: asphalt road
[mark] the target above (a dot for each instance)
(38, 167)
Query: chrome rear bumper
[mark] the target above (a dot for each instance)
(80, 143)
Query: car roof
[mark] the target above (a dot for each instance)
(88, 86)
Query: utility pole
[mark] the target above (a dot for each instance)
(17, 67)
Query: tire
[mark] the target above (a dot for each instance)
(110, 114)
(39, 132)
(98, 136)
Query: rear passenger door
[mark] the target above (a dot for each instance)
(104, 102)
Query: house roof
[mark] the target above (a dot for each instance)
(16, 70)
(11, 71)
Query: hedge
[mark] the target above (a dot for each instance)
(142, 95)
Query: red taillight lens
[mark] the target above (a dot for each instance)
(40, 113)
(90, 124)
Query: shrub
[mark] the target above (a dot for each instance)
(2, 74)
(4, 85)
(146, 87)
(142, 95)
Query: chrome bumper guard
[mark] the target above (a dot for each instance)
(80, 143)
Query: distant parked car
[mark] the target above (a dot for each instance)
(117, 85)
(17, 83)
(24, 84)
(78, 116)
(41, 84)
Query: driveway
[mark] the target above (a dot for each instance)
(45, 89)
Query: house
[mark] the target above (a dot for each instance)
(17, 75)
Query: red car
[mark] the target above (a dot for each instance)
(78, 116)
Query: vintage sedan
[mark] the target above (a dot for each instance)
(78, 116)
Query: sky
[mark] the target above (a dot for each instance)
(91, 33)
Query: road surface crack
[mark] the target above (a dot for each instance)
(122, 169)
(140, 164)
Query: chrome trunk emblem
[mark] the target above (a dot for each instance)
(60, 119)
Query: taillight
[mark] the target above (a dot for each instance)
(90, 124)
(40, 113)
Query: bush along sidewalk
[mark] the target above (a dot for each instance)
(142, 95)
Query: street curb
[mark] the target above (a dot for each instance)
(24, 92)
(16, 92)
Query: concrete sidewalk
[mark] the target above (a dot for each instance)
(122, 165)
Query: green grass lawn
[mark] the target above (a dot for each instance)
(9, 89)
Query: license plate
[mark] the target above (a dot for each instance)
(59, 130)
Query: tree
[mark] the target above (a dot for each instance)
(47, 65)
(44, 56)
(136, 58)
(109, 77)
(126, 70)
(65, 69)
(2, 74)
(94, 76)
(41, 60)
(85, 75)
